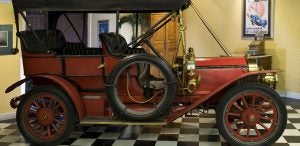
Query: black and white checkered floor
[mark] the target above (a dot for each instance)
(195, 130)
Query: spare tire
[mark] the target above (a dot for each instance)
(123, 86)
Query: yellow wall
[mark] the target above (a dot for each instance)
(225, 17)
(9, 64)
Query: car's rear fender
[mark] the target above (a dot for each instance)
(62, 83)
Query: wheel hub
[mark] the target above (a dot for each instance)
(45, 116)
(251, 117)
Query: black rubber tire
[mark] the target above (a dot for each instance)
(61, 96)
(166, 103)
(273, 96)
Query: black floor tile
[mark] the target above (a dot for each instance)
(173, 125)
(144, 143)
(189, 131)
(168, 137)
(82, 128)
(280, 144)
(12, 126)
(148, 129)
(211, 138)
(4, 143)
(225, 144)
(90, 135)
(187, 143)
(16, 133)
(190, 120)
(291, 111)
(292, 139)
(114, 129)
(207, 125)
(69, 141)
(103, 142)
(294, 120)
(8, 121)
(290, 126)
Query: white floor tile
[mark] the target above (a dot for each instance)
(19, 144)
(148, 136)
(10, 138)
(83, 141)
(7, 131)
(291, 132)
(281, 140)
(124, 143)
(208, 131)
(170, 130)
(210, 143)
(166, 143)
(188, 137)
(293, 115)
(207, 120)
(3, 125)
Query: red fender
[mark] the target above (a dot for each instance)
(64, 84)
(206, 97)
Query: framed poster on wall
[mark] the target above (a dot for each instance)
(257, 17)
(103, 27)
(6, 39)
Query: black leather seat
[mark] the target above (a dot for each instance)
(116, 45)
(80, 49)
(50, 41)
(53, 41)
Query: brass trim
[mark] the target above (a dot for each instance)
(270, 78)
(115, 121)
(91, 97)
(122, 123)
(101, 66)
(252, 65)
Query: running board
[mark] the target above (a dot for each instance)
(114, 121)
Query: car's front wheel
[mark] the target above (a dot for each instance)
(251, 115)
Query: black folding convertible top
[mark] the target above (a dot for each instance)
(101, 5)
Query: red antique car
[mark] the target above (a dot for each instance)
(121, 83)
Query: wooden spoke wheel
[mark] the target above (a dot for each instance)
(251, 114)
(45, 116)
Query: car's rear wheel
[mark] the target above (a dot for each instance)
(46, 116)
(251, 115)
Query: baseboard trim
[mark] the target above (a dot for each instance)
(5, 1)
(7, 116)
(288, 94)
